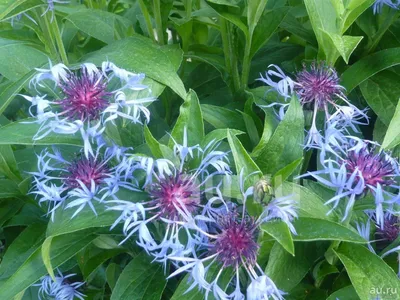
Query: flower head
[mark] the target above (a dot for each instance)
(231, 245)
(318, 86)
(391, 228)
(236, 241)
(353, 168)
(60, 289)
(378, 5)
(318, 89)
(374, 168)
(89, 98)
(77, 183)
(173, 197)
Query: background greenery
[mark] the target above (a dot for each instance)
(201, 60)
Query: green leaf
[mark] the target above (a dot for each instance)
(345, 44)
(285, 172)
(8, 189)
(392, 137)
(140, 279)
(367, 271)
(63, 248)
(8, 208)
(21, 249)
(254, 11)
(46, 256)
(8, 94)
(323, 18)
(346, 293)
(218, 135)
(285, 145)
(222, 118)
(21, 59)
(242, 159)
(90, 265)
(311, 229)
(97, 23)
(354, 9)
(160, 63)
(157, 149)
(112, 273)
(12, 8)
(382, 94)
(287, 270)
(281, 233)
(191, 118)
(266, 27)
(63, 223)
(369, 66)
(8, 164)
(309, 204)
(22, 132)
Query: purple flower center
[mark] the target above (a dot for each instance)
(236, 242)
(319, 85)
(85, 96)
(391, 229)
(375, 168)
(86, 170)
(173, 194)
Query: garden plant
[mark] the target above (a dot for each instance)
(200, 149)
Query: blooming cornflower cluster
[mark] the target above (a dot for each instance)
(174, 190)
(60, 288)
(384, 234)
(354, 168)
(80, 182)
(230, 246)
(318, 89)
(379, 4)
(91, 98)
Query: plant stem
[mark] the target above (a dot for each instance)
(246, 62)
(157, 16)
(46, 29)
(147, 19)
(230, 55)
(59, 41)
(90, 3)
(188, 8)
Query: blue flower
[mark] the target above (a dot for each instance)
(60, 288)
(173, 192)
(230, 238)
(378, 5)
(318, 89)
(354, 168)
(80, 182)
(90, 98)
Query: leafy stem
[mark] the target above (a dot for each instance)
(157, 16)
(246, 62)
(59, 41)
(147, 19)
(230, 54)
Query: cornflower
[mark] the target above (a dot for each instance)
(174, 191)
(318, 89)
(90, 98)
(60, 288)
(354, 168)
(230, 244)
(78, 183)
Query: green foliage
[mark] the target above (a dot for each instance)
(201, 61)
